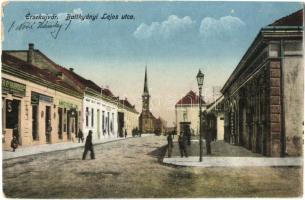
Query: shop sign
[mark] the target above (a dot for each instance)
(13, 87)
(37, 97)
(67, 105)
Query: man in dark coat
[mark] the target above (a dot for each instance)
(182, 140)
(89, 146)
(125, 133)
(169, 145)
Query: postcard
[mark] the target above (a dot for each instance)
(152, 99)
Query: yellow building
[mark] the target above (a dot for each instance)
(131, 117)
(37, 106)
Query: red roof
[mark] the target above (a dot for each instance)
(190, 98)
(294, 19)
(21, 65)
(80, 81)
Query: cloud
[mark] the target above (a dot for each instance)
(223, 28)
(165, 29)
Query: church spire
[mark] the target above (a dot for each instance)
(145, 82)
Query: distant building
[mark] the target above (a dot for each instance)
(187, 112)
(147, 121)
(263, 97)
(215, 119)
(160, 126)
(129, 115)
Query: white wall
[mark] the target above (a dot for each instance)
(101, 105)
(188, 113)
(220, 126)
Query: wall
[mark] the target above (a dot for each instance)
(25, 127)
(101, 105)
(220, 126)
(192, 115)
(293, 97)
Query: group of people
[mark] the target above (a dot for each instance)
(183, 141)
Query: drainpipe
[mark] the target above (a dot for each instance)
(283, 133)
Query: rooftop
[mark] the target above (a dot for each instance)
(191, 98)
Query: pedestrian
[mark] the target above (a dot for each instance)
(169, 145)
(89, 146)
(14, 143)
(182, 146)
(188, 135)
(125, 133)
(16, 132)
(49, 131)
(80, 136)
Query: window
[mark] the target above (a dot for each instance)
(92, 117)
(65, 120)
(12, 113)
(103, 122)
(87, 116)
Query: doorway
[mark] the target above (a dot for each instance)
(60, 131)
(12, 117)
(48, 127)
(35, 122)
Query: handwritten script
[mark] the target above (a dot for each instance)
(56, 23)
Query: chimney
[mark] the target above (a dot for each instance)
(31, 53)
(71, 69)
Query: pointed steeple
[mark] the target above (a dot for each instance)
(145, 82)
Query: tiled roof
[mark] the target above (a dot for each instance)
(80, 81)
(23, 66)
(190, 98)
(107, 92)
(294, 19)
(126, 103)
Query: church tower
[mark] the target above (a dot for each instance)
(145, 95)
(146, 119)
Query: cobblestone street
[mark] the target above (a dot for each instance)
(133, 168)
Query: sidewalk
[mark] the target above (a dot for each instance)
(234, 161)
(226, 155)
(43, 148)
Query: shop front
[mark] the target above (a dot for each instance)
(42, 117)
(68, 120)
(13, 93)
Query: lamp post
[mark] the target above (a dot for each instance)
(200, 78)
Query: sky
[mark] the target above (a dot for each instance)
(173, 39)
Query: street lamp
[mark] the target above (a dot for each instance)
(200, 78)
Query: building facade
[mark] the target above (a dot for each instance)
(34, 100)
(147, 121)
(130, 117)
(98, 110)
(187, 112)
(263, 97)
(215, 119)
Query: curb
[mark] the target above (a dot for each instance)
(70, 148)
